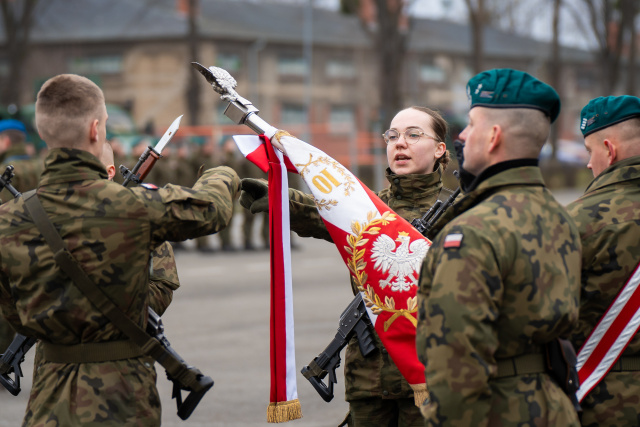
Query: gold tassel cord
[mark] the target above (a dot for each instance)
(420, 394)
(281, 412)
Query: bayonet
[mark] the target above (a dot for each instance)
(149, 157)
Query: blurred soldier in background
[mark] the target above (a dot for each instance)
(502, 279)
(608, 218)
(13, 151)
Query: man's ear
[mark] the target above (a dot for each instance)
(495, 138)
(612, 151)
(93, 131)
(111, 172)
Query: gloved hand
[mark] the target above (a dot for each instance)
(254, 195)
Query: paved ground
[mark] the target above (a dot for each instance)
(219, 322)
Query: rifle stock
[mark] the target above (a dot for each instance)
(353, 321)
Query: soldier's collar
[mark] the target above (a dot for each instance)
(414, 186)
(469, 186)
(70, 164)
(619, 171)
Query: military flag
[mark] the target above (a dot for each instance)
(382, 251)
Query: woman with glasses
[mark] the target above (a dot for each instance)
(377, 393)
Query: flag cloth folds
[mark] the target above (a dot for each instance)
(383, 251)
(283, 403)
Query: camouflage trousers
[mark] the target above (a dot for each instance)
(377, 412)
(613, 402)
(103, 394)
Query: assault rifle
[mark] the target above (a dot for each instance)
(429, 219)
(5, 181)
(353, 321)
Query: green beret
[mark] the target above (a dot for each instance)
(606, 111)
(507, 88)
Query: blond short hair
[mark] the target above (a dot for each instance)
(65, 107)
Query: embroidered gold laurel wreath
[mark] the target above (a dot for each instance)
(357, 266)
(323, 160)
(324, 203)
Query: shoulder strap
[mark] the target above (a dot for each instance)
(70, 266)
(611, 336)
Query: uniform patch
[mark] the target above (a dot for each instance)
(149, 186)
(453, 240)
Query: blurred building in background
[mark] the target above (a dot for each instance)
(139, 53)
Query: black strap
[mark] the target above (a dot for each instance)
(70, 266)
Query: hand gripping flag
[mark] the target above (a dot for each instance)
(382, 251)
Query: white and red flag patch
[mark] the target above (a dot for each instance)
(453, 240)
(382, 251)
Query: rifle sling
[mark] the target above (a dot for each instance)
(148, 344)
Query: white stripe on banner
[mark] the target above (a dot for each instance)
(350, 207)
(602, 329)
(292, 391)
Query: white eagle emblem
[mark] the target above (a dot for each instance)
(402, 264)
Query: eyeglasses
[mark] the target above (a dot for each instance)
(411, 135)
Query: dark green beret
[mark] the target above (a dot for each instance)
(606, 111)
(507, 88)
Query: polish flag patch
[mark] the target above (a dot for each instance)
(453, 240)
(149, 186)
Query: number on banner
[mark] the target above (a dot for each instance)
(324, 183)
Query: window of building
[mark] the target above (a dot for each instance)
(292, 66)
(106, 64)
(431, 73)
(342, 119)
(340, 69)
(292, 114)
(228, 61)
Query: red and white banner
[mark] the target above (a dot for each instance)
(284, 404)
(383, 252)
(610, 337)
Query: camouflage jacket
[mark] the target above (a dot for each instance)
(608, 218)
(27, 170)
(510, 285)
(410, 196)
(111, 231)
(163, 278)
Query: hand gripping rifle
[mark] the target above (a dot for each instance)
(353, 321)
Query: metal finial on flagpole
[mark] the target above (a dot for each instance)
(240, 110)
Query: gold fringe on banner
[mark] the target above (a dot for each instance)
(281, 412)
(420, 393)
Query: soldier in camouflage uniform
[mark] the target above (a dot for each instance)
(111, 231)
(502, 278)
(13, 151)
(608, 218)
(13, 135)
(377, 393)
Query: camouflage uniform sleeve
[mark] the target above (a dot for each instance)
(163, 278)
(456, 337)
(305, 218)
(179, 213)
